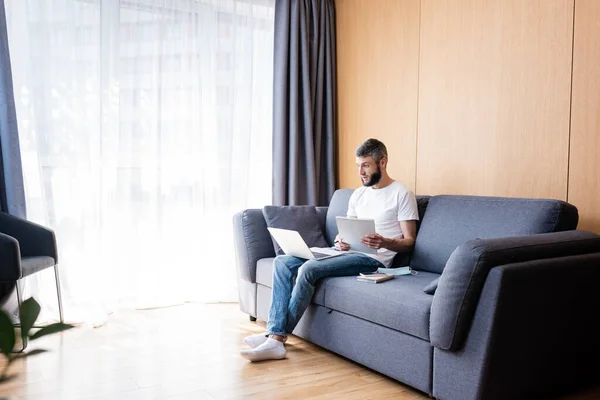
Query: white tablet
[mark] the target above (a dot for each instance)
(352, 229)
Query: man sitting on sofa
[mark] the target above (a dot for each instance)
(394, 209)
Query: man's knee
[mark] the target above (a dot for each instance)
(310, 270)
(283, 263)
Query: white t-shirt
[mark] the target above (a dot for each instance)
(387, 206)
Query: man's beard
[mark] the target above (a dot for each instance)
(373, 179)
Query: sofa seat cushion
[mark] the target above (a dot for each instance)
(398, 304)
(264, 276)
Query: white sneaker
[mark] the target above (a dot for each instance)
(271, 349)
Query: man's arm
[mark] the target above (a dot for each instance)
(402, 244)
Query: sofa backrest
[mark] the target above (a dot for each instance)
(452, 220)
(338, 206)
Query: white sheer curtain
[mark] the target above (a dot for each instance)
(144, 126)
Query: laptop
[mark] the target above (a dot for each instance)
(292, 244)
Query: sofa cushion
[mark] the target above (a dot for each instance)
(398, 304)
(264, 277)
(453, 220)
(431, 288)
(303, 219)
(338, 207)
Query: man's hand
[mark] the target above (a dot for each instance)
(374, 241)
(340, 245)
(400, 244)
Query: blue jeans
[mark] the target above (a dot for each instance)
(289, 301)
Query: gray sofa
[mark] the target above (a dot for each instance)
(512, 316)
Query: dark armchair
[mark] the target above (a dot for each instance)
(26, 248)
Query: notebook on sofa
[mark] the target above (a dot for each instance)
(374, 278)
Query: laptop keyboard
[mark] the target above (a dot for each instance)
(319, 255)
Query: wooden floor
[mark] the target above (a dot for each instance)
(190, 352)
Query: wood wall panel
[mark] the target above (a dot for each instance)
(377, 62)
(494, 97)
(584, 165)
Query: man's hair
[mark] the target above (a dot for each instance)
(372, 147)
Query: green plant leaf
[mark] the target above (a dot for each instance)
(7, 334)
(50, 329)
(30, 309)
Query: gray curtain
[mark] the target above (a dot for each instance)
(304, 103)
(12, 193)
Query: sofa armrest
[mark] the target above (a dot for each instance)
(467, 268)
(252, 242)
(34, 240)
(532, 336)
(10, 259)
